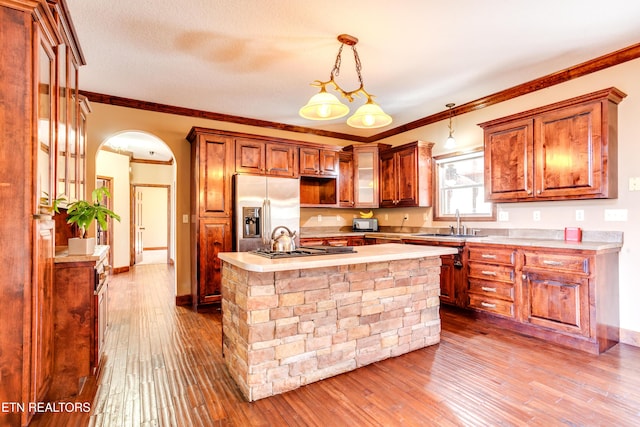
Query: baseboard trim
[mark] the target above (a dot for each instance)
(183, 300)
(118, 270)
(630, 337)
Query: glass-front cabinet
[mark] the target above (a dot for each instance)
(45, 123)
(365, 175)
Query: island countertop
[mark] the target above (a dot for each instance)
(362, 254)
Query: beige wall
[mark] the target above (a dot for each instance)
(116, 166)
(106, 120)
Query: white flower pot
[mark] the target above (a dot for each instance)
(79, 246)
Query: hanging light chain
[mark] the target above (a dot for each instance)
(351, 41)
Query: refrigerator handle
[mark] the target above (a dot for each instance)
(266, 223)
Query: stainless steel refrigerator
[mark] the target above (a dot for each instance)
(261, 204)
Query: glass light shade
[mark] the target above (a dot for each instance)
(451, 142)
(369, 116)
(323, 106)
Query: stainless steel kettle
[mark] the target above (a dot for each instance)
(285, 242)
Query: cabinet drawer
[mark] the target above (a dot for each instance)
(497, 255)
(492, 305)
(491, 272)
(492, 290)
(560, 262)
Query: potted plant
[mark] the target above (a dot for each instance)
(83, 213)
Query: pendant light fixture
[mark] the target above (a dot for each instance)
(326, 106)
(451, 141)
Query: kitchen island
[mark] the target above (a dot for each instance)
(291, 322)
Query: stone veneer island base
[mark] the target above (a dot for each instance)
(290, 322)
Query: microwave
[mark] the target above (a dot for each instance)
(365, 224)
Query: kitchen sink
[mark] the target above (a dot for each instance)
(457, 236)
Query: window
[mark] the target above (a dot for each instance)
(459, 182)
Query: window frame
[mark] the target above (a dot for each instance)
(452, 158)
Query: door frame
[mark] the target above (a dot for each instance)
(108, 182)
(132, 225)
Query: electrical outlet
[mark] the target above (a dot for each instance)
(634, 184)
(579, 215)
(405, 217)
(185, 219)
(425, 217)
(615, 214)
(319, 218)
(536, 215)
(503, 216)
(386, 217)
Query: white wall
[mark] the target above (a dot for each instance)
(154, 217)
(148, 173)
(116, 166)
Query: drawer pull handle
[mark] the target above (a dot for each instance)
(487, 289)
(486, 304)
(488, 256)
(489, 273)
(550, 262)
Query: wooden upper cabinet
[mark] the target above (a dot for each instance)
(345, 187)
(509, 161)
(265, 158)
(212, 163)
(405, 175)
(562, 151)
(571, 161)
(318, 162)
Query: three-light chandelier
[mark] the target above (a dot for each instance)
(326, 106)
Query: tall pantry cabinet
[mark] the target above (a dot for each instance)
(39, 92)
(212, 166)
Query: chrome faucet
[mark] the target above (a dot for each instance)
(459, 229)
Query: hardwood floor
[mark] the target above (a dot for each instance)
(163, 367)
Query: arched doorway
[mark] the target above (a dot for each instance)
(133, 161)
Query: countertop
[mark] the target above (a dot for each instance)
(63, 256)
(363, 254)
(600, 241)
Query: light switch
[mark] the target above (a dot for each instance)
(185, 219)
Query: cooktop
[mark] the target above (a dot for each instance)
(303, 251)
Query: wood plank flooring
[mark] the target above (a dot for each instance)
(163, 367)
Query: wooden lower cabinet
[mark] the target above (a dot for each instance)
(80, 318)
(42, 321)
(568, 296)
(214, 236)
(492, 279)
(453, 275)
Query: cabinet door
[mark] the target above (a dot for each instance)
(365, 177)
(388, 184)
(42, 326)
(447, 279)
(407, 177)
(281, 160)
(558, 302)
(569, 151)
(214, 183)
(345, 181)
(508, 161)
(309, 161)
(329, 162)
(214, 237)
(250, 156)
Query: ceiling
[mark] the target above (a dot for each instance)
(256, 59)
